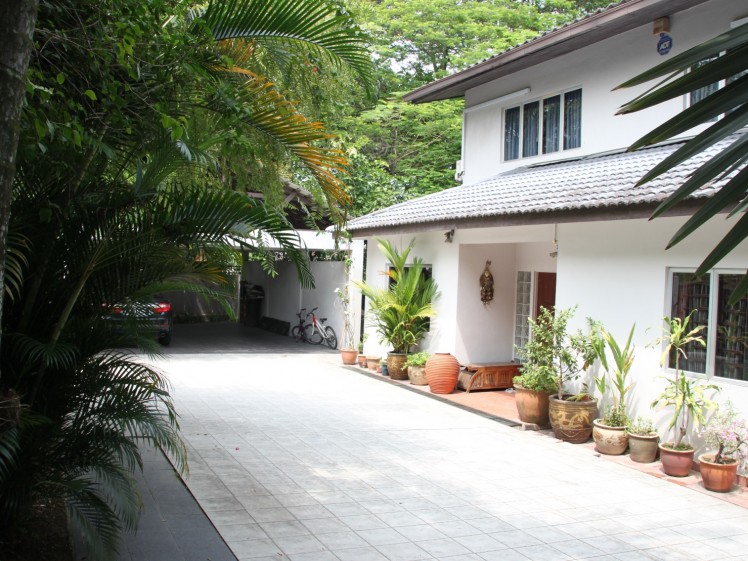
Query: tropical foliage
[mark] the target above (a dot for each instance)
(687, 396)
(400, 312)
(617, 377)
(723, 58)
(554, 356)
(146, 124)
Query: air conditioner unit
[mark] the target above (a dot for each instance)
(459, 171)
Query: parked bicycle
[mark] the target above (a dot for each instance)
(314, 332)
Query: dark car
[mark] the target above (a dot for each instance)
(152, 317)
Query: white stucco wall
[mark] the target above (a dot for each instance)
(617, 272)
(444, 261)
(463, 326)
(597, 69)
(284, 296)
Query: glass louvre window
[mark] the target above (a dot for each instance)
(572, 119)
(726, 332)
(511, 133)
(524, 302)
(539, 126)
(551, 123)
(530, 130)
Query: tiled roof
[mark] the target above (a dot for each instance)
(591, 183)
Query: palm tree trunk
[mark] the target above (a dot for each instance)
(17, 22)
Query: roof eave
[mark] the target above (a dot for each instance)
(581, 33)
(617, 212)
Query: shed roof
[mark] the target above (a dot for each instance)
(593, 187)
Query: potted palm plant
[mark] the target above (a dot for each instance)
(687, 396)
(726, 433)
(401, 311)
(609, 432)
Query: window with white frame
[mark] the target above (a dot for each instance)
(543, 126)
(726, 326)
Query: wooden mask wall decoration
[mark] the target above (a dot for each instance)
(486, 285)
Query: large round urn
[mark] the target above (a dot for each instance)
(442, 370)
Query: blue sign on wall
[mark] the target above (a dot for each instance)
(664, 44)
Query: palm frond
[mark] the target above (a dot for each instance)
(322, 27)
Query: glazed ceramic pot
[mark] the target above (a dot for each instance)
(717, 477)
(396, 366)
(676, 463)
(532, 406)
(643, 448)
(611, 441)
(572, 420)
(442, 370)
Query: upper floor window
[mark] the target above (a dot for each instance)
(726, 327)
(543, 126)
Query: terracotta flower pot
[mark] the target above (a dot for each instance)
(417, 375)
(349, 356)
(532, 406)
(717, 477)
(372, 362)
(676, 463)
(442, 370)
(395, 366)
(572, 420)
(362, 360)
(643, 448)
(612, 441)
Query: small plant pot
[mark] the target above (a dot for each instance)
(417, 375)
(349, 356)
(372, 362)
(643, 448)
(717, 477)
(611, 441)
(362, 360)
(676, 463)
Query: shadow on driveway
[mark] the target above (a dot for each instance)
(229, 337)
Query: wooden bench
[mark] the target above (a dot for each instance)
(495, 376)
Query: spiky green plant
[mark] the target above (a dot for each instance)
(400, 312)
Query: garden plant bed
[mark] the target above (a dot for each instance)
(45, 536)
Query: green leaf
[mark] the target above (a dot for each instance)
(90, 95)
(734, 237)
(60, 78)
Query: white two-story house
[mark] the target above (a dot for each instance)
(548, 197)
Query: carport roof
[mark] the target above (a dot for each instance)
(594, 187)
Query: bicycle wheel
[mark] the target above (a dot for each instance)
(297, 334)
(313, 335)
(331, 340)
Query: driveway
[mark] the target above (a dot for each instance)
(294, 456)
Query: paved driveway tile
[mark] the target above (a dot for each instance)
(320, 456)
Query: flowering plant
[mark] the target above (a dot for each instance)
(727, 433)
